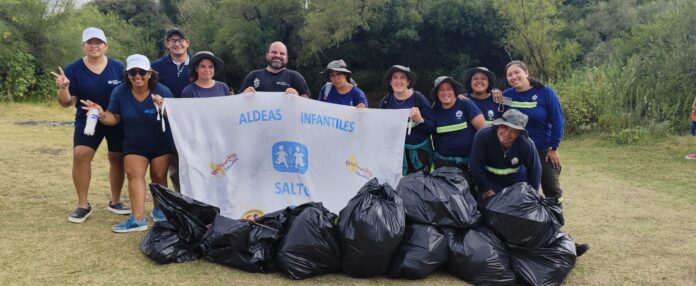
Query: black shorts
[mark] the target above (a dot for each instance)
(149, 155)
(113, 134)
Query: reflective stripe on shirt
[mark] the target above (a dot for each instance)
(502, 172)
(523, 104)
(451, 128)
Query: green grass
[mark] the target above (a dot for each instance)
(634, 204)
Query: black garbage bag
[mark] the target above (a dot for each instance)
(370, 228)
(190, 217)
(423, 250)
(243, 244)
(478, 257)
(441, 198)
(177, 239)
(310, 245)
(547, 265)
(163, 245)
(522, 217)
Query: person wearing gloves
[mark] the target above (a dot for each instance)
(546, 121)
(418, 150)
(147, 139)
(202, 69)
(456, 123)
(92, 77)
(341, 89)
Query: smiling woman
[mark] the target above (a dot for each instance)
(92, 78)
(418, 150)
(146, 141)
(546, 121)
(202, 68)
(456, 123)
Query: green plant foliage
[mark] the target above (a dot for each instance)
(533, 29)
(123, 39)
(629, 136)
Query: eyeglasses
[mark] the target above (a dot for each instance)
(134, 72)
(176, 41)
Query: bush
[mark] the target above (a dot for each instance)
(629, 135)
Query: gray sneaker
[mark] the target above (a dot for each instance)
(119, 208)
(79, 215)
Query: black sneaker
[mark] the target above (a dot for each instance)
(80, 214)
(119, 208)
(580, 249)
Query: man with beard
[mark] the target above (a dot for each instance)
(276, 77)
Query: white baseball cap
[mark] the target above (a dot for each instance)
(137, 61)
(92, 33)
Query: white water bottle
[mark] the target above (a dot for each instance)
(92, 118)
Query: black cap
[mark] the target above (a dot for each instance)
(173, 31)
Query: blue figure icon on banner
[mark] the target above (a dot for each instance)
(290, 157)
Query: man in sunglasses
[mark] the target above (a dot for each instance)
(276, 77)
(173, 73)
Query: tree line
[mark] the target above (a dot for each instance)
(617, 65)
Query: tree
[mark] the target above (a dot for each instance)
(533, 28)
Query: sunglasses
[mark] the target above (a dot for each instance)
(134, 72)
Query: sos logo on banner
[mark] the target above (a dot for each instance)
(290, 157)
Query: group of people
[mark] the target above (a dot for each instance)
(496, 138)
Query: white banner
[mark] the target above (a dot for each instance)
(251, 154)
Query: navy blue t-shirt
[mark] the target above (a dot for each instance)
(142, 132)
(193, 90)
(263, 80)
(494, 168)
(86, 85)
(454, 132)
(546, 120)
(488, 107)
(351, 98)
(420, 132)
(173, 76)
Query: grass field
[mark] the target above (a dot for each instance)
(635, 204)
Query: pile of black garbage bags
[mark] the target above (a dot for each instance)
(431, 221)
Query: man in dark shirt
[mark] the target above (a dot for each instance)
(276, 77)
(172, 68)
(173, 73)
(503, 154)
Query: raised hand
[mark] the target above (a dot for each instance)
(60, 79)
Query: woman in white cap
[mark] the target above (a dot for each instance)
(418, 149)
(456, 123)
(147, 141)
(204, 66)
(341, 89)
(93, 77)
